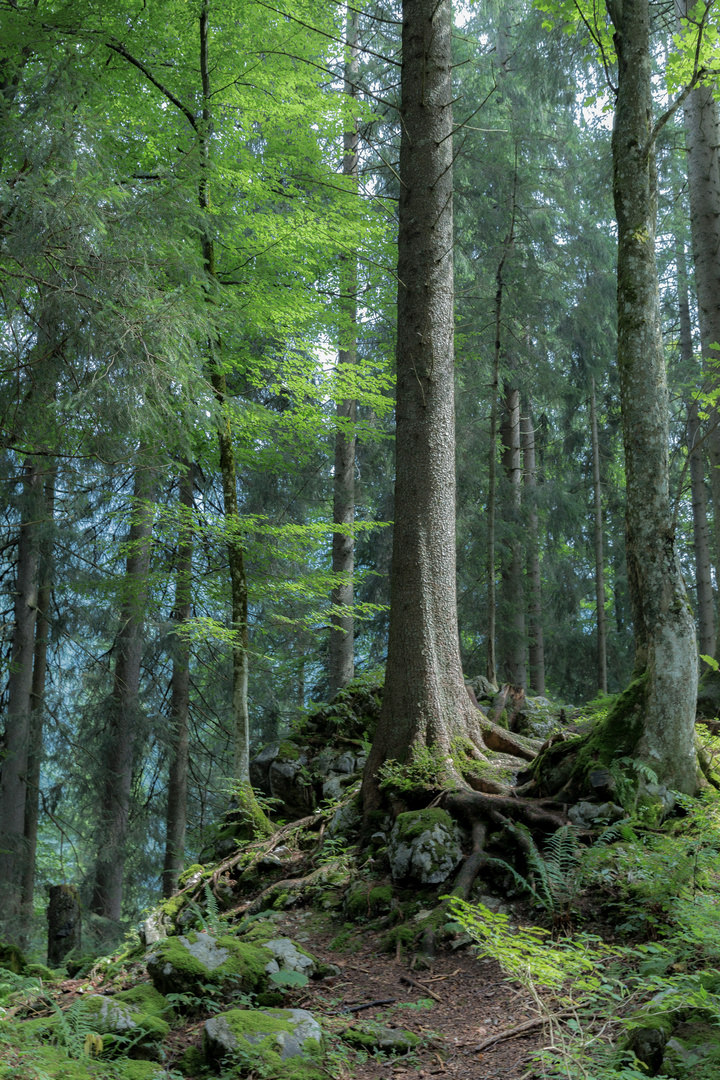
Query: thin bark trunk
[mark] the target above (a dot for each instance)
(701, 536)
(536, 645)
(13, 778)
(491, 669)
(665, 652)
(228, 471)
(513, 607)
(180, 696)
(425, 701)
(702, 138)
(124, 713)
(37, 701)
(341, 665)
(599, 555)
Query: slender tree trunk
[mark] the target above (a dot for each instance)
(491, 668)
(425, 702)
(599, 555)
(124, 712)
(702, 139)
(341, 666)
(13, 777)
(512, 631)
(701, 536)
(37, 701)
(665, 652)
(536, 645)
(180, 696)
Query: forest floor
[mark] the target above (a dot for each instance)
(454, 1003)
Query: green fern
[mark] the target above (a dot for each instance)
(554, 877)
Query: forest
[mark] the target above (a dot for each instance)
(360, 492)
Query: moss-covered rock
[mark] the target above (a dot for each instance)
(372, 1036)
(367, 898)
(693, 1053)
(12, 958)
(271, 1040)
(425, 845)
(287, 956)
(184, 964)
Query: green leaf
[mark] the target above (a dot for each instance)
(289, 978)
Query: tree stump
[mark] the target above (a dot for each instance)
(64, 923)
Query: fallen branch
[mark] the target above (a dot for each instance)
(366, 1005)
(420, 986)
(521, 1029)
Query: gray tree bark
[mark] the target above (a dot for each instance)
(702, 139)
(536, 646)
(64, 923)
(341, 660)
(665, 652)
(512, 626)
(599, 553)
(13, 777)
(124, 711)
(701, 535)
(425, 702)
(179, 697)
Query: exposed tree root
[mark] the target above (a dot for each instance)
(521, 1029)
(546, 815)
(473, 863)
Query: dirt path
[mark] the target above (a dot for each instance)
(474, 1001)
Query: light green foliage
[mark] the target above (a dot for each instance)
(428, 769)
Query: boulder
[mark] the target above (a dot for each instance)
(184, 964)
(424, 845)
(270, 1036)
(288, 957)
(372, 1036)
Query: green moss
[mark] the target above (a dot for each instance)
(48, 1061)
(364, 899)
(260, 931)
(192, 1063)
(12, 958)
(404, 934)
(148, 1000)
(196, 868)
(42, 972)
(139, 1070)
(256, 1033)
(288, 751)
(414, 823)
(244, 966)
(567, 763)
(372, 1036)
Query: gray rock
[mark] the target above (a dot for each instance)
(586, 815)
(648, 1045)
(287, 783)
(237, 1029)
(287, 957)
(206, 951)
(659, 793)
(345, 763)
(345, 820)
(483, 688)
(424, 845)
(334, 787)
(260, 767)
(185, 964)
(154, 928)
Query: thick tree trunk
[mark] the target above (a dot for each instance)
(13, 777)
(425, 702)
(341, 660)
(536, 644)
(664, 632)
(599, 554)
(702, 138)
(512, 629)
(124, 711)
(701, 537)
(180, 696)
(37, 702)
